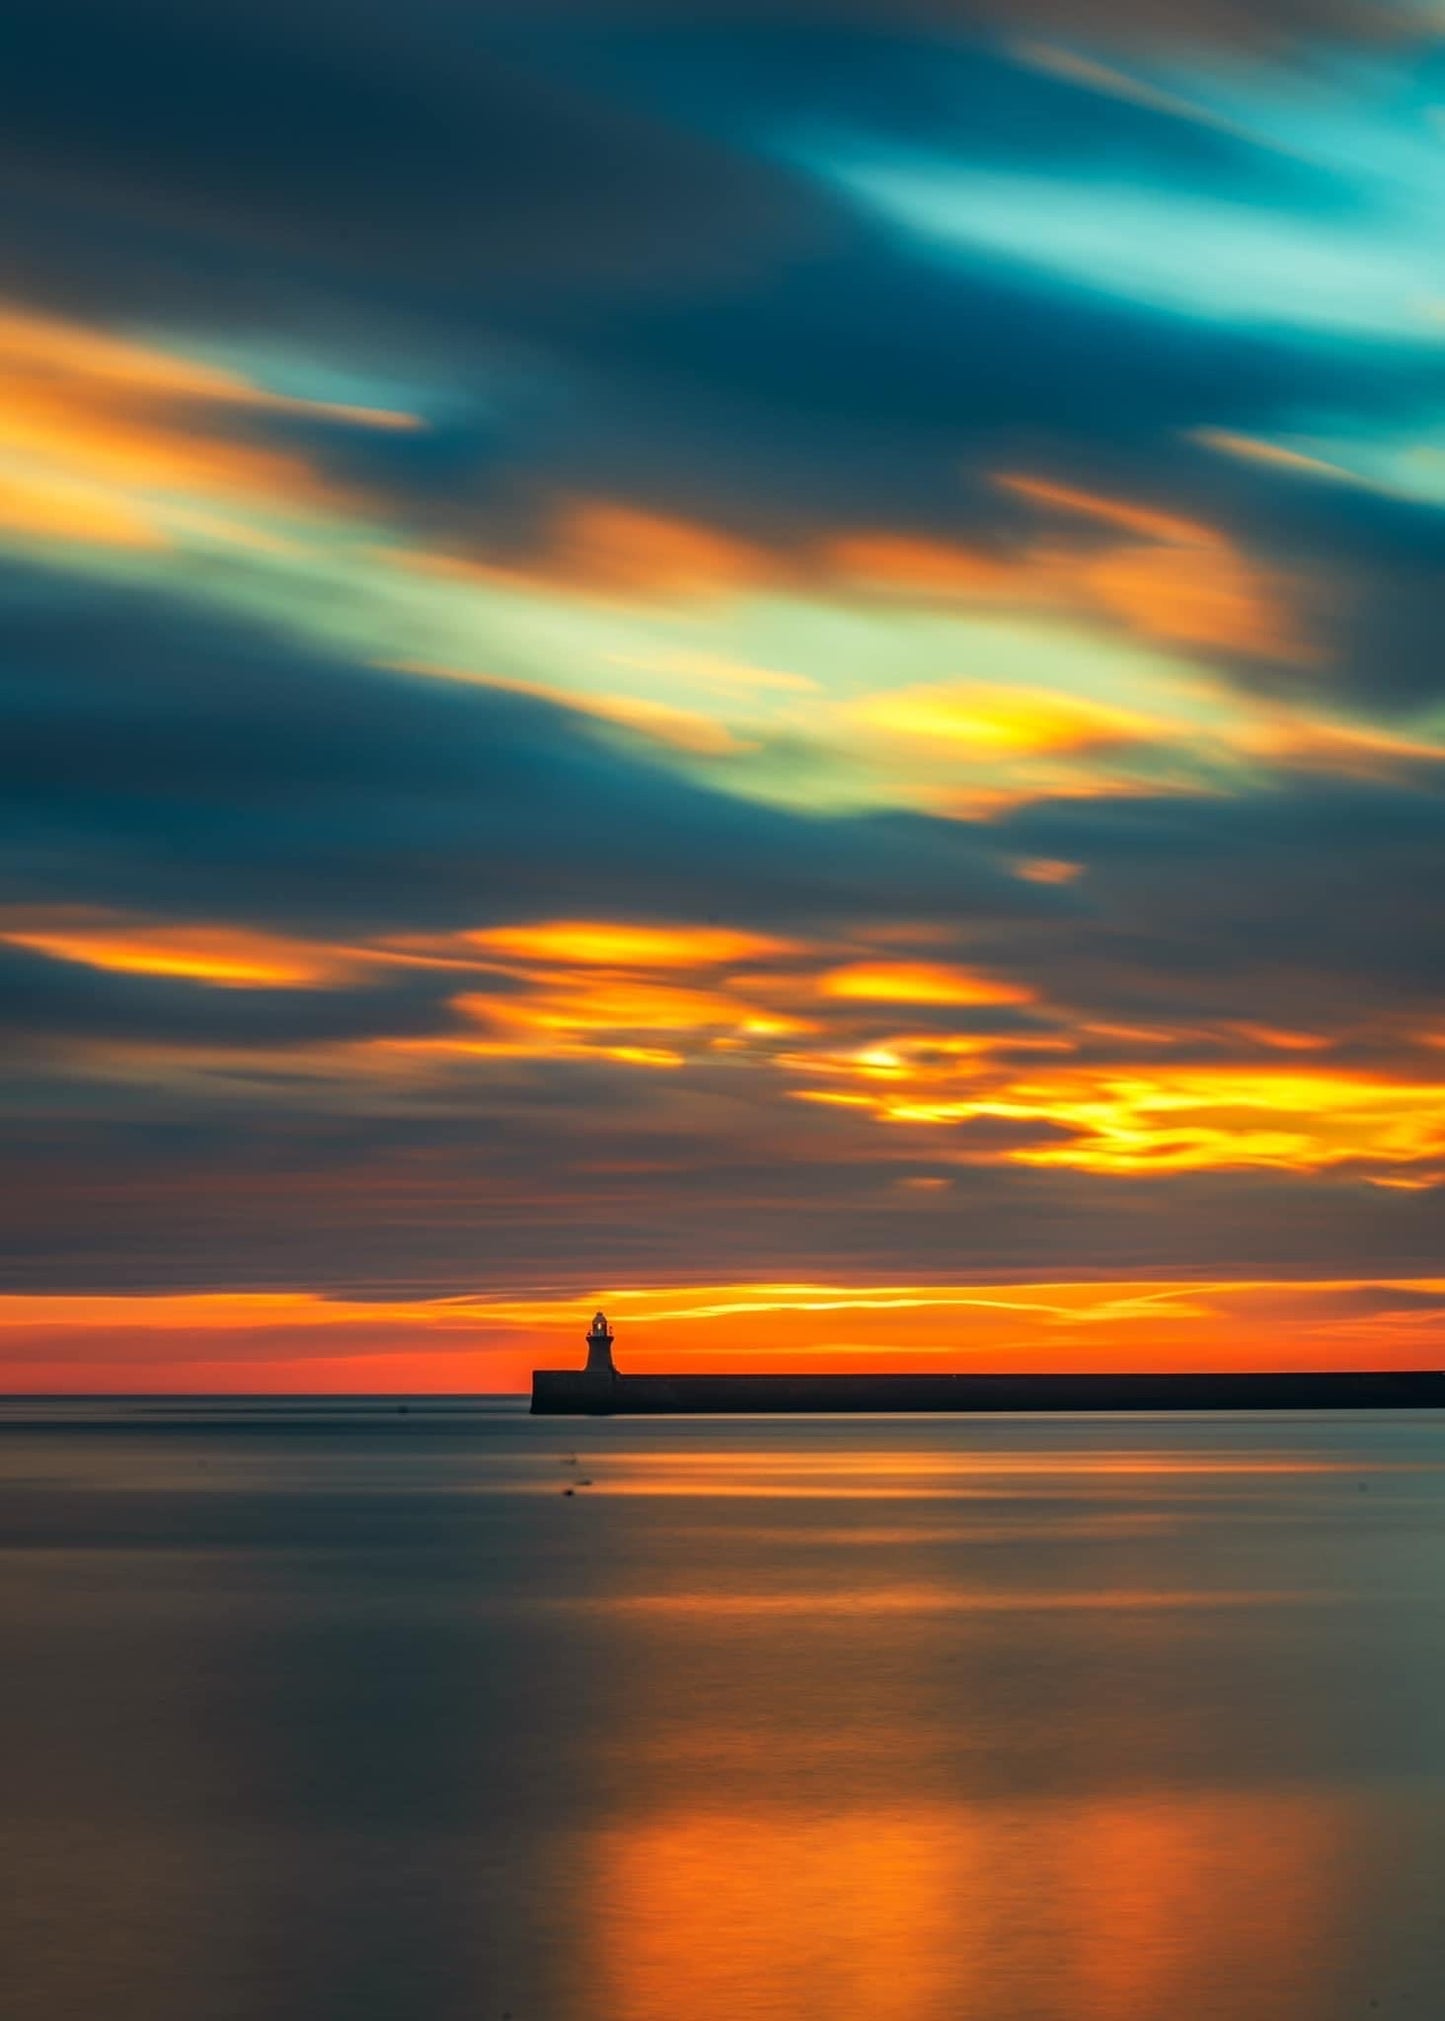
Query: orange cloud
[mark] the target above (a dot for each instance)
(1153, 1119)
(1175, 579)
(1005, 721)
(1202, 1117)
(63, 351)
(914, 566)
(1353, 750)
(610, 1004)
(918, 983)
(1206, 595)
(655, 997)
(664, 722)
(1047, 870)
(616, 548)
(1284, 1041)
(583, 974)
(102, 437)
(46, 506)
(1254, 449)
(597, 943)
(603, 989)
(228, 957)
(1139, 519)
(604, 548)
(1185, 583)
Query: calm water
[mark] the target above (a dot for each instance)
(318, 1711)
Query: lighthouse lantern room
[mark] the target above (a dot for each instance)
(599, 1346)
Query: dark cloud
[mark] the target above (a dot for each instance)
(1388, 643)
(396, 146)
(876, 337)
(1315, 902)
(184, 768)
(167, 762)
(991, 1135)
(43, 999)
(379, 1206)
(175, 766)
(1273, 25)
(1016, 104)
(873, 387)
(581, 236)
(1278, 24)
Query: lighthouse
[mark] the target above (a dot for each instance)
(599, 1348)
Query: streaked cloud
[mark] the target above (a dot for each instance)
(605, 945)
(224, 956)
(917, 982)
(1367, 280)
(107, 441)
(792, 678)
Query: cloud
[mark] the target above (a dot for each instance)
(695, 507)
(1211, 899)
(606, 548)
(1005, 720)
(1202, 594)
(1276, 25)
(292, 815)
(917, 982)
(169, 1196)
(225, 957)
(1367, 279)
(846, 375)
(48, 1005)
(1199, 22)
(172, 764)
(110, 442)
(604, 944)
(394, 147)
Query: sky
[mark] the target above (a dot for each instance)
(779, 665)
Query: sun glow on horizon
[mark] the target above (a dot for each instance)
(302, 1341)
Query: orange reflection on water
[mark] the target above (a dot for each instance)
(920, 1601)
(899, 1474)
(1097, 1909)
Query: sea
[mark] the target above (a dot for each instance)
(427, 1710)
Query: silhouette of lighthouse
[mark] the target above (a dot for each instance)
(599, 1348)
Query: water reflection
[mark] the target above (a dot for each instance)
(801, 1603)
(1115, 1909)
(1109, 1747)
(342, 1718)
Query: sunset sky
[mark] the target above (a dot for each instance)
(779, 665)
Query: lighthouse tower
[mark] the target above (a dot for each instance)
(599, 1348)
